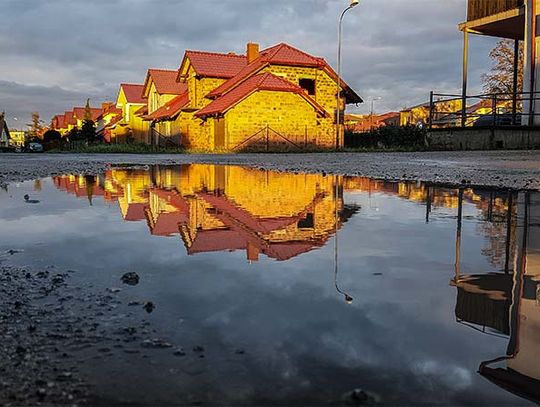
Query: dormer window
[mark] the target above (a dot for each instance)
(308, 85)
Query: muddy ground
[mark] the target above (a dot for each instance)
(503, 169)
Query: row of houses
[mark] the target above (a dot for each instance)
(227, 102)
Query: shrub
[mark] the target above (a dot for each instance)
(388, 137)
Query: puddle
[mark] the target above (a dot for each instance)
(277, 288)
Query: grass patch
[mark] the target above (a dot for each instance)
(119, 149)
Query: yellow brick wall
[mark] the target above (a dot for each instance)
(286, 113)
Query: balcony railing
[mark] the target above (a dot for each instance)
(485, 8)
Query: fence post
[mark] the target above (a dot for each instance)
(267, 138)
(430, 110)
(494, 110)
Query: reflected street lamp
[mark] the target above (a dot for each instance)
(352, 4)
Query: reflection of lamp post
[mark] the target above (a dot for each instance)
(348, 298)
(353, 4)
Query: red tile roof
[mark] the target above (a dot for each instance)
(133, 92)
(78, 113)
(170, 109)
(165, 82)
(69, 119)
(135, 212)
(282, 54)
(141, 111)
(59, 121)
(216, 65)
(265, 81)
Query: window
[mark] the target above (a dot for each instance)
(308, 85)
(307, 223)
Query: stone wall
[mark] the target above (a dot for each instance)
(484, 139)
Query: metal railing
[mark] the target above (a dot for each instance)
(484, 8)
(266, 139)
(487, 110)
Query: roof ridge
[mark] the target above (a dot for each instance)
(131, 84)
(162, 70)
(232, 55)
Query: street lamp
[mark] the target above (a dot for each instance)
(372, 113)
(352, 4)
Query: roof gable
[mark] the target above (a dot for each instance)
(265, 81)
(164, 81)
(133, 93)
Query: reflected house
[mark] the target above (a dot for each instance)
(509, 302)
(216, 208)
(83, 186)
(4, 132)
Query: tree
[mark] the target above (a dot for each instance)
(35, 127)
(501, 77)
(51, 136)
(88, 130)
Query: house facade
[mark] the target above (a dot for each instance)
(162, 93)
(279, 95)
(130, 100)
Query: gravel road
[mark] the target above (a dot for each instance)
(504, 169)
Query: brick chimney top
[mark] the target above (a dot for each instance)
(252, 52)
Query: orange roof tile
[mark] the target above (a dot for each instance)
(165, 82)
(170, 109)
(216, 65)
(133, 92)
(266, 81)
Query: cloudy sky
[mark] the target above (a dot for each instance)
(56, 53)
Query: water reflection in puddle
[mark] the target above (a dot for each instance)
(428, 294)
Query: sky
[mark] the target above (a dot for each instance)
(56, 53)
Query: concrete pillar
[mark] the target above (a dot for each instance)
(529, 74)
(465, 77)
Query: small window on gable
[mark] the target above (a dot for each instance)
(308, 85)
(307, 223)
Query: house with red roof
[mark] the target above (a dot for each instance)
(162, 93)
(131, 125)
(278, 96)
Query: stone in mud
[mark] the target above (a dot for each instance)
(130, 278)
(149, 306)
(359, 397)
(198, 349)
(156, 343)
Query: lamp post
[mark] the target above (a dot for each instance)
(372, 113)
(352, 4)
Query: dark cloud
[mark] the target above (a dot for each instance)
(397, 49)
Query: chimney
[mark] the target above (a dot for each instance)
(252, 52)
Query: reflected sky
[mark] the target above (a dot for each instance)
(243, 258)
